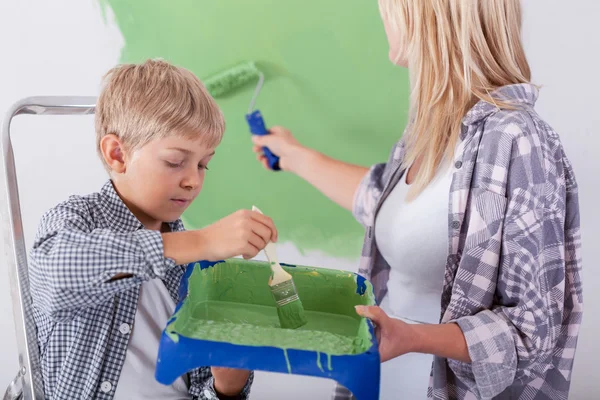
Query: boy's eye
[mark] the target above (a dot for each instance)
(173, 165)
(203, 166)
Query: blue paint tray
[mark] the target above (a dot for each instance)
(226, 317)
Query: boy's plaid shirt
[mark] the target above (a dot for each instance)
(78, 309)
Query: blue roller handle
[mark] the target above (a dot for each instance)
(257, 127)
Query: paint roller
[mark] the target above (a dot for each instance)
(233, 78)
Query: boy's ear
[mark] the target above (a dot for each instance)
(113, 153)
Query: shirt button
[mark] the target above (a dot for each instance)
(106, 387)
(208, 394)
(124, 329)
(458, 164)
(455, 224)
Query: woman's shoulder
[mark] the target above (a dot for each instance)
(506, 125)
(519, 139)
(516, 132)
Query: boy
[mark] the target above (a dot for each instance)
(106, 267)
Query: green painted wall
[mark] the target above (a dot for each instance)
(328, 79)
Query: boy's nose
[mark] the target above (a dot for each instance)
(191, 182)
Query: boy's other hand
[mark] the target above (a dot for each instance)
(243, 233)
(228, 381)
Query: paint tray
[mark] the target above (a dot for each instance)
(226, 317)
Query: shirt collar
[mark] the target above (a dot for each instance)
(523, 95)
(119, 217)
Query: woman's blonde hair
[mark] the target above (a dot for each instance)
(458, 52)
(155, 99)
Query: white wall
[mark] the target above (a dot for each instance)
(563, 42)
(64, 46)
(58, 47)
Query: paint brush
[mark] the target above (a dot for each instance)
(289, 307)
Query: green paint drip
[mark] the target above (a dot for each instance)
(319, 361)
(172, 334)
(231, 302)
(287, 361)
(318, 101)
(329, 362)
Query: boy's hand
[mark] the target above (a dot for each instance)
(229, 381)
(243, 233)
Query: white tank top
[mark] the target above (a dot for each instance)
(413, 239)
(137, 381)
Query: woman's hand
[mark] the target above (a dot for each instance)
(335, 179)
(395, 337)
(282, 143)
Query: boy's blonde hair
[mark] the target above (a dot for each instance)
(458, 52)
(155, 99)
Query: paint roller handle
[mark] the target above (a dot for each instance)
(257, 127)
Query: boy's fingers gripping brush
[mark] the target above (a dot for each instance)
(289, 307)
(233, 78)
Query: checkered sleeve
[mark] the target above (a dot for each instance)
(73, 264)
(515, 257)
(202, 385)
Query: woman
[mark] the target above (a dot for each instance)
(472, 226)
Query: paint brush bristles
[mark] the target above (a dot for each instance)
(289, 307)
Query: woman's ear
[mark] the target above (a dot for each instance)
(113, 153)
